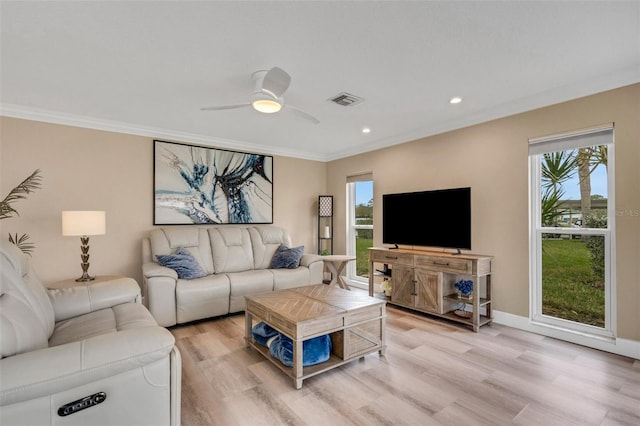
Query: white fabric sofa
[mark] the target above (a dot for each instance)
(237, 260)
(82, 345)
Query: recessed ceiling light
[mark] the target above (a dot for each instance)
(455, 100)
(366, 130)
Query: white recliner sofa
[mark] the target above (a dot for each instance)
(237, 261)
(85, 355)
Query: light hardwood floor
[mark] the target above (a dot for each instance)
(434, 372)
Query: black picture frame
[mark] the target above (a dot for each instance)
(202, 185)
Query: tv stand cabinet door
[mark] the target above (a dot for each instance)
(402, 285)
(429, 291)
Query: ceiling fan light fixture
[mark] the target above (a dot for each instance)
(267, 97)
(265, 102)
(267, 106)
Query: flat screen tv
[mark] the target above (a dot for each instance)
(440, 218)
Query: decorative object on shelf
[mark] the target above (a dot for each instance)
(387, 286)
(465, 291)
(20, 192)
(83, 224)
(198, 185)
(464, 287)
(325, 224)
(462, 313)
(326, 233)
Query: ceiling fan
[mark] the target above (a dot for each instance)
(267, 96)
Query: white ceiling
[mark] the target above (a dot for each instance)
(148, 67)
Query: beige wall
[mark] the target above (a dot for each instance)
(492, 158)
(89, 169)
(96, 170)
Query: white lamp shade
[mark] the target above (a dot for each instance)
(79, 223)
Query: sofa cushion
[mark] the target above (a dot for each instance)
(196, 240)
(290, 278)
(231, 249)
(202, 298)
(27, 315)
(183, 262)
(69, 302)
(265, 241)
(21, 329)
(248, 282)
(120, 317)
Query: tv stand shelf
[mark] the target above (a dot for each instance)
(424, 281)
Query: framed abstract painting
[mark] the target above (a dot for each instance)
(199, 185)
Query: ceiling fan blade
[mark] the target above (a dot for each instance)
(303, 114)
(276, 82)
(220, 108)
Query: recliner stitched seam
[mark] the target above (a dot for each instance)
(90, 299)
(58, 379)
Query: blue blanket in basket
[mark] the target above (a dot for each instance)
(314, 351)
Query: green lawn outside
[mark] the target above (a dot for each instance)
(569, 288)
(362, 256)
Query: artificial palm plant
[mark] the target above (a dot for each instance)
(30, 184)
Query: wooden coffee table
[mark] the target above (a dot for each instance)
(354, 321)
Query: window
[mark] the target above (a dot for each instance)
(571, 196)
(359, 227)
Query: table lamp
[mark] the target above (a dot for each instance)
(84, 224)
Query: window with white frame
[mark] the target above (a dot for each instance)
(359, 227)
(572, 252)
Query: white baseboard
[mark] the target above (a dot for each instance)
(625, 347)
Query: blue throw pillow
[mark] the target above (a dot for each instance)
(183, 263)
(286, 257)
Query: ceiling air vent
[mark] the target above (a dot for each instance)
(346, 99)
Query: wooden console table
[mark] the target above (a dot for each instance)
(424, 281)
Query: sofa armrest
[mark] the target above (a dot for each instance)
(79, 300)
(153, 269)
(160, 292)
(308, 259)
(315, 265)
(78, 363)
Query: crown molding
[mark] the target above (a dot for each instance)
(615, 80)
(623, 77)
(54, 117)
